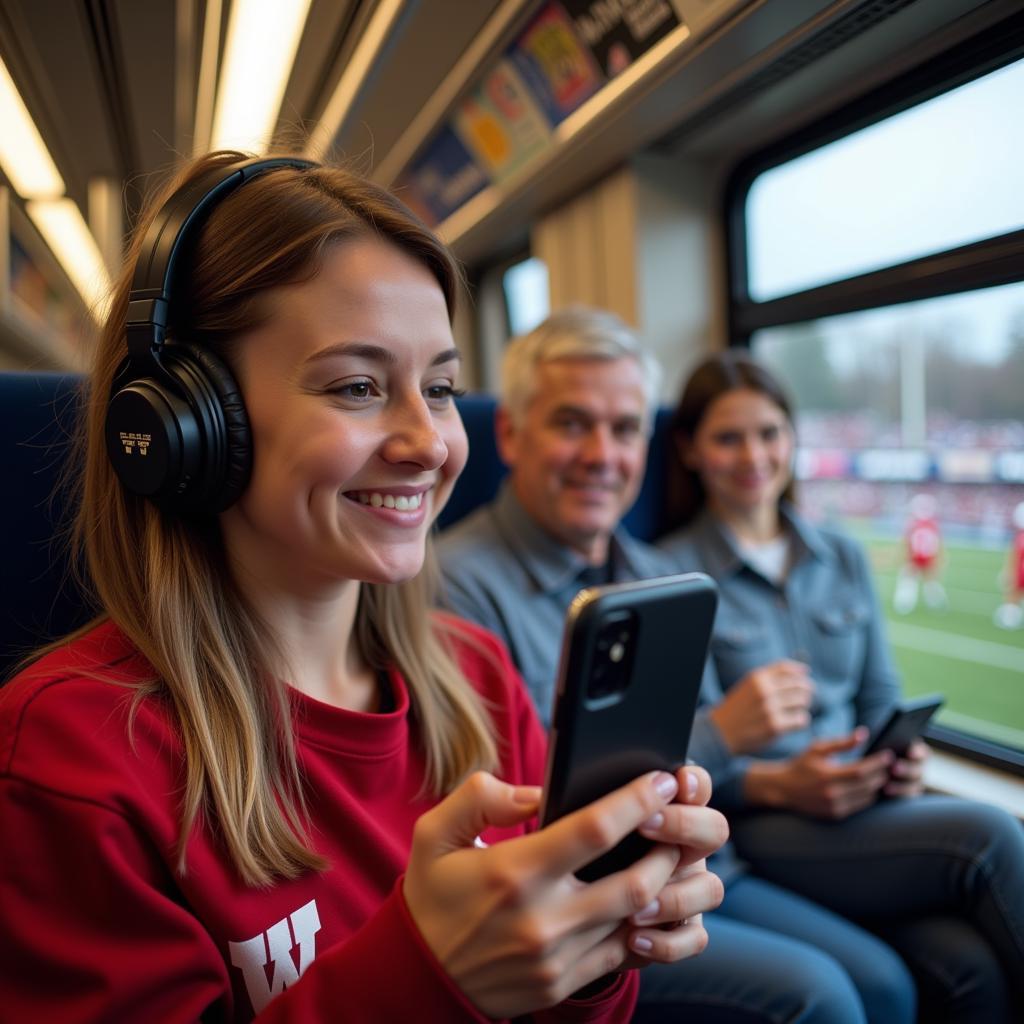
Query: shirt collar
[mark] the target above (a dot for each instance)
(717, 550)
(722, 556)
(552, 563)
(807, 536)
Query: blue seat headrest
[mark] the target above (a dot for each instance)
(39, 600)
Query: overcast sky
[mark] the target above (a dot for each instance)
(940, 175)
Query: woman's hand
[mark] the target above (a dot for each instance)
(815, 783)
(768, 701)
(671, 928)
(906, 777)
(512, 925)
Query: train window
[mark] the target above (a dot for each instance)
(526, 294)
(908, 368)
(901, 424)
(939, 175)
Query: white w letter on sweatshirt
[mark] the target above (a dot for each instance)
(274, 947)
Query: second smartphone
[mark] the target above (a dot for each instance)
(629, 678)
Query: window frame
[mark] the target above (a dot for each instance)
(987, 263)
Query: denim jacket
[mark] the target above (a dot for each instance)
(825, 614)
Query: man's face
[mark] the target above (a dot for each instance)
(577, 457)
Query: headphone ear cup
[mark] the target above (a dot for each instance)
(153, 438)
(177, 432)
(223, 483)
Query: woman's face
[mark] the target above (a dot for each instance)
(356, 439)
(743, 451)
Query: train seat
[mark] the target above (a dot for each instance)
(39, 599)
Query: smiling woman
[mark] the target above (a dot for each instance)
(269, 746)
(358, 445)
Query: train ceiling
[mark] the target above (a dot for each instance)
(120, 89)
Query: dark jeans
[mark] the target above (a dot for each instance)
(774, 956)
(940, 879)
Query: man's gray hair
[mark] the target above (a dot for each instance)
(576, 332)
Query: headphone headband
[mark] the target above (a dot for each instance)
(170, 238)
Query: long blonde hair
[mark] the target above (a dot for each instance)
(164, 579)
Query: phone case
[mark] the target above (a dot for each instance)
(621, 711)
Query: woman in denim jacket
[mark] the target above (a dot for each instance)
(800, 671)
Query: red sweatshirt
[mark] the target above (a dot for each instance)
(96, 924)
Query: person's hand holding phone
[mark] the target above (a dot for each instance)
(671, 926)
(512, 925)
(906, 776)
(816, 783)
(767, 702)
(900, 733)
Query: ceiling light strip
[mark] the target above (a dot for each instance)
(63, 227)
(28, 165)
(259, 53)
(206, 87)
(23, 154)
(354, 76)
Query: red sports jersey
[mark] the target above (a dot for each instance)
(98, 925)
(923, 542)
(1017, 569)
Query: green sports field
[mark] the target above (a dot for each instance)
(959, 652)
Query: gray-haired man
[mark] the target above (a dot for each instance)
(577, 400)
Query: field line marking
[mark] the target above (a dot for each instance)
(979, 727)
(962, 648)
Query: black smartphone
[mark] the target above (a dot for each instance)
(629, 678)
(904, 725)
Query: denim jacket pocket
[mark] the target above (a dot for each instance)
(840, 643)
(841, 618)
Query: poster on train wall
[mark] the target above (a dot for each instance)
(500, 123)
(445, 176)
(619, 31)
(556, 65)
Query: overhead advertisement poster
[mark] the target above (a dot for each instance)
(619, 31)
(500, 123)
(566, 53)
(444, 177)
(555, 64)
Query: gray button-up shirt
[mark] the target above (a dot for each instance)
(825, 613)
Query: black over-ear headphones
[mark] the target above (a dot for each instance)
(176, 428)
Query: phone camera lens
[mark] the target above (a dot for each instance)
(611, 667)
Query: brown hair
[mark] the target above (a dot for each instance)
(165, 582)
(731, 370)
